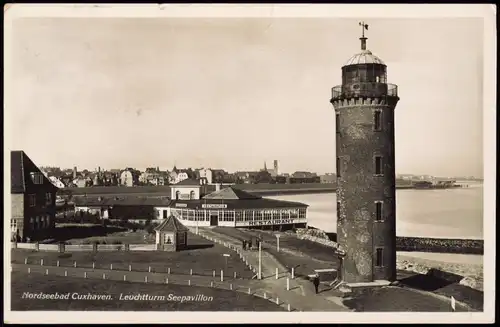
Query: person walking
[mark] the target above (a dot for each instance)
(316, 283)
(244, 244)
(250, 244)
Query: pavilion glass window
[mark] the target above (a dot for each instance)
(167, 239)
(258, 215)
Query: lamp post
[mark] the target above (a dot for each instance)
(225, 255)
(278, 242)
(260, 259)
(196, 218)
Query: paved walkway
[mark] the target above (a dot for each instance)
(301, 294)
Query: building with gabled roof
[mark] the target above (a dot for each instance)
(233, 207)
(33, 198)
(171, 235)
(192, 206)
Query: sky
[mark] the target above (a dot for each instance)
(232, 93)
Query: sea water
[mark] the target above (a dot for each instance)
(439, 213)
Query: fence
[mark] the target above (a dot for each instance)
(127, 267)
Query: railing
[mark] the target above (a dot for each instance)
(364, 90)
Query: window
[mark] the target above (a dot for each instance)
(177, 195)
(191, 195)
(337, 122)
(378, 211)
(32, 200)
(379, 165)
(379, 260)
(165, 214)
(167, 239)
(338, 166)
(377, 120)
(238, 215)
(48, 198)
(180, 238)
(13, 225)
(338, 210)
(37, 178)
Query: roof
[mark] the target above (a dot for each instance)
(20, 168)
(171, 224)
(17, 172)
(97, 201)
(231, 193)
(364, 57)
(188, 182)
(261, 203)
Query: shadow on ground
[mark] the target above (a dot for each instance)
(442, 283)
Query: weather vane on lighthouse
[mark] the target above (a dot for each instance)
(363, 38)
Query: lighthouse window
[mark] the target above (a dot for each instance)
(378, 211)
(337, 123)
(377, 120)
(338, 210)
(379, 260)
(379, 162)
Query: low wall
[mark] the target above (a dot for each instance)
(48, 247)
(409, 244)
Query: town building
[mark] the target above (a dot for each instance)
(129, 177)
(273, 171)
(33, 199)
(328, 178)
(134, 208)
(153, 176)
(205, 173)
(366, 196)
(300, 177)
(56, 182)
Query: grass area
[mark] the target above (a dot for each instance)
(121, 237)
(221, 300)
(202, 256)
(304, 255)
(431, 283)
(396, 299)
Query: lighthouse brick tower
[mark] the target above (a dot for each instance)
(366, 209)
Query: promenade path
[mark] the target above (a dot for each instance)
(301, 293)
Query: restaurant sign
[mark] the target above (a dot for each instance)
(214, 206)
(270, 222)
(181, 205)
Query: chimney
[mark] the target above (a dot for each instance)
(74, 172)
(99, 169)
(217, 187)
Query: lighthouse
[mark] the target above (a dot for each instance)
(366, 192)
